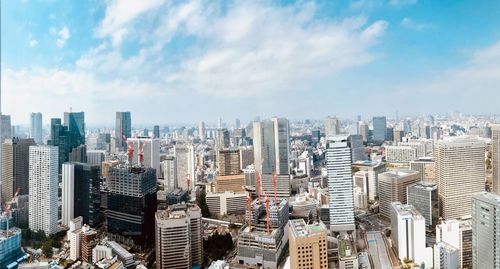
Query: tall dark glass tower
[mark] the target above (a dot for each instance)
(59, 137)
(87, 195)
(75, 121)
(20, 153)
(131, 205)
(123, 128)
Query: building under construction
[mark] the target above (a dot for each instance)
(264, 240)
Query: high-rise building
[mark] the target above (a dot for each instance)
(228, 162)
(43, 186)
(457, 233)
(81, 193)
(374, 169)
(495, 157)
(408, 233)
(179, 237)
(7, 163)
(223, 138)
(96, 157)
(332, 127)
(184, 155)
(36, 129)
(170, 173)
(131, 204)
(358, 150)
(392, 188)
(59, 137)
(424, 197)
(308, 247)
(123, 129)
(426, 166)
(271, 146)
(400, 154)
(5, 125)
(74, 234)
(364, 131)
(202, 132)
(398, 135)
(458, 159)
(379, 128)
(75, 121)
(156, 131)
(486, 230)
(340, 187)
(150, 148)
(446, 256)
(246, 157)
(225, 203)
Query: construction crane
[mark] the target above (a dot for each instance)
(257, 179)
(267, 216)
(130, 152)
(140, 154)
(249, 206)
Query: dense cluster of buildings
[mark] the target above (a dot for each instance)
(306, 194)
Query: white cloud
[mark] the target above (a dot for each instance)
(32, 43)
(400, 3)
(410, 24)
(63, 36)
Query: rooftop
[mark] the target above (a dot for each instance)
(406, 210)
(399, 173)
(301, 229)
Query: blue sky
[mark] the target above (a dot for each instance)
(185, 61)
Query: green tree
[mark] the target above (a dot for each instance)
(47, 249)
(202, 203)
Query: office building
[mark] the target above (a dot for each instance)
(78, 154)
(156, 131)
(379, 129)
(246, 157)
(458, 159)
(74, 234)
(332, 127)
(232, 183)
(6, 126)
(131, 205)
(226, 203)
(59, 137)
(398, 135)
(495, 157)
(202, 132)
(184, 154)
(36, 130)
(426, 166)
(179, 237)
(7, 164)
(457, 233)
(170, 173)
(96, 157)
(150, 148)
(43, 186)
(81, 193)
(446, 256)
(364, 131)
(424, 197)
(223, 138)
(308, 248)
(392, 188)
(271, 146)
(408, 234)
(400, 154)
(374, 169)
(10, 245)
(340, 187)
(123, 129)
(20, 155)
(358, 149)
(486, 230)
(228, 162)
(75, 121)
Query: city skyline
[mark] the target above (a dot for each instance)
(341, 58)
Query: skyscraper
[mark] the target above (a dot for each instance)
(495, 157)
(332, 127)
(5, 124)
(486, 230)
(123, 129)
(7, 183)
(179, 237)
(75, 122)
(156, 131)
(59, 137)
(460, 173)
(202, 131)
(36, 130)
(379, 128)
(43, 186)
(424, 197)
(340, 188)
(81, 193)
(20, 154)
(271, 146)
(392, 187)
(222, 138)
